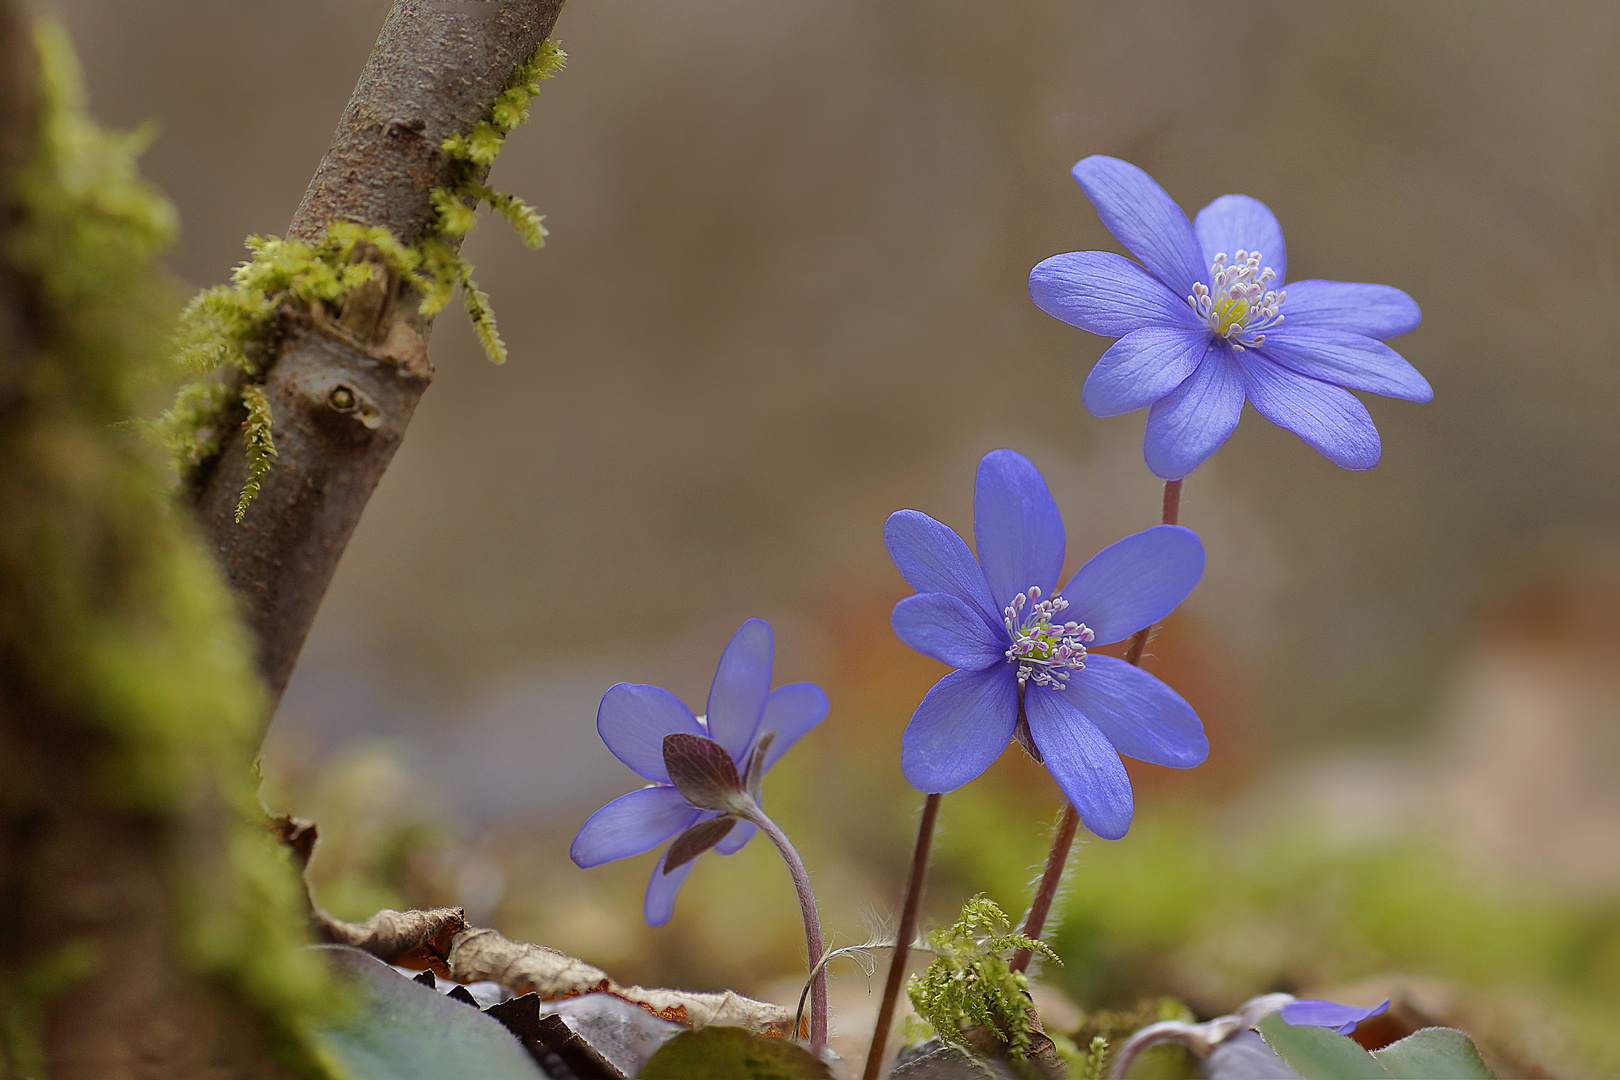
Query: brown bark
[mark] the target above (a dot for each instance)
(435, 72)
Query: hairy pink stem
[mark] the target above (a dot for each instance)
(1063, 839)
(812, 923)
(902, 938)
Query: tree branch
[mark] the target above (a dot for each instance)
(342, 387)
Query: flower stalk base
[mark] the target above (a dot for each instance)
(1063, 838)
(903, 936)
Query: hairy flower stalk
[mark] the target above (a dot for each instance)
(707, 777)
(814, 944)
(902, 938)
(1063, 837)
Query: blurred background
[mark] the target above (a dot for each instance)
(784, 295)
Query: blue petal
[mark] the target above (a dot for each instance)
(1330, 419)
(633, 720)
(1378, 311)
(1017, 527)
(1135, 582)
(1232, 222)
(741, 684)
(790, 711)
(1192, 421)
(631, 824)
(1142, 367)
(939, 625)
(1140, 715)
(1345, 359)
(1143, 218)
(1106, 294)
(1081, 760)
(932, 558)
(740, 834)
(1308, 1012)
(661, 890)
(962, 725)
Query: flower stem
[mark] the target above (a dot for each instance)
(812, 921)
(1063, 839)
(902, 938)
(1035, 921)
(1172, 511)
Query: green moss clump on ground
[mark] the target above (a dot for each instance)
(970, 982)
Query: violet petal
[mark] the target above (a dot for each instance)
(1141, 716)
(1142, 367)
(1016, 526)
(1135, 582)
(962, 725)
(741, 684)
(1147, 221)
(1081, 760)
(1192, 421)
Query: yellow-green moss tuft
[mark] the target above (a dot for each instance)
(229, 327)
(969, 983)
(261, 446)
(457, 205)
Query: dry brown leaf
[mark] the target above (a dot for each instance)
(481, 954)
(410, 939)
(441, 941)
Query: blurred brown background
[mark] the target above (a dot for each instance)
(784, 294)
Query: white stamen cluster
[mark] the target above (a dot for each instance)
(1046, 652)
(1239, 305)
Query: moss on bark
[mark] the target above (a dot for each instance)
(153, 926)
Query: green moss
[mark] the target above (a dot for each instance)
(457, 204)
(115, 617)
(970, 982)
(261, 447)
(230, 328)
(23, 1009)
(225, 331)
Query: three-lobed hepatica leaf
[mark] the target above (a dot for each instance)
(732, 1053)
(1434, 1052)
(1316, 1053)
(401, 1030)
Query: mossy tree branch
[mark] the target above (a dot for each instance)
(341, 388)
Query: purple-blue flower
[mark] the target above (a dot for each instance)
(633, 721)
(1308, 1012)
(1002, 623)
(1204, 323)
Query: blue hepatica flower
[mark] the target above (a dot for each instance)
(1204, 323)
(633, 721)
(1016, 640)
(1308, 1012)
